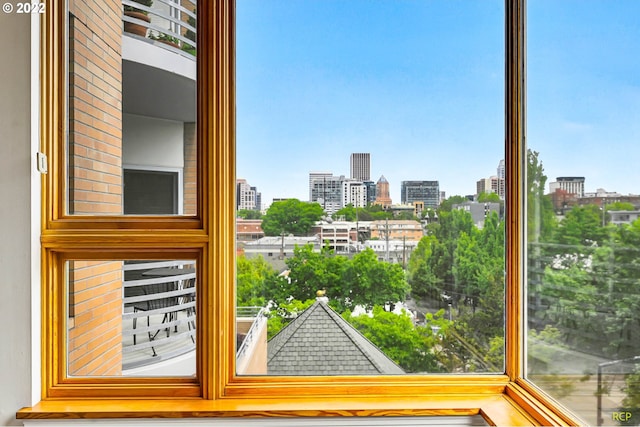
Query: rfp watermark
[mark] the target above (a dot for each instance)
(23, 8)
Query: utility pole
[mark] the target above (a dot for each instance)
(387, 236)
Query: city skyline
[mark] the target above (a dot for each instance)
(430, 110)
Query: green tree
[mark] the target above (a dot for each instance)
(283, 313)
(486, 197)
(248, 214)
(395, 334)
(447, 205)
(632, 390)
(254, 277)
(540, 215)
(369, 282)
(310, 272)
(582, 226)
(291, 216)
(620, 206)
(420, 273)
(362, 280)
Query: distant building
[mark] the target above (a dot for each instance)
(326, 189)
(397, 251)
(248, 230)
(570, 184)
(247, 197)
(623, 217)
(492, 184)
(427, 192)
(275, 251)
(396, 229)
(382, 193)
(371, 191)
(502, 175)
(603, 197)
(398, 210)
(354, 193)
(320, 342)
(317, 176)
(478, 211)
(360, 166)
(337, 235)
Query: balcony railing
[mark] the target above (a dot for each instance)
(249, 340)
(168, 23)
(159, 315)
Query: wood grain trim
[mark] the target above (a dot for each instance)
(515, 182)
(496, 409)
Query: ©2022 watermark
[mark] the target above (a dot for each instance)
(23, 7)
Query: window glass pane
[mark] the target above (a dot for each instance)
(131, 104)
(583, 206)
(131, 318)
(370, 188)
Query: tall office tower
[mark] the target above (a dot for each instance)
(326, 189)
(361, 166)
(247, 197)
(371, 191)
(492, 184)
(501, 179)
(570, 184)
(354, 193)
(317, 176)
(382, 193)
(427, 192)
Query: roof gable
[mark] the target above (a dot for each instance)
(320, 342)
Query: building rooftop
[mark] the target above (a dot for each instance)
(320, 342)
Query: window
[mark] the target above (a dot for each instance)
(71, 237)
(151, 192)
(583, 292)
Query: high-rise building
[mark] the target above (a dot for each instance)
(371, 191)
(570, 184)
(317, 176)
(326, 189)
(501, 172)
(361, 166)
(492, 184)
(382, 193)
(247, 197)
(354, 193)
(427, 192)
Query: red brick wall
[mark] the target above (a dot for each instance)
(95, 180)
(190, 169)
(95, 107)
(95, 332)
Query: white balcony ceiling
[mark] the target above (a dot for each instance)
(157, 82)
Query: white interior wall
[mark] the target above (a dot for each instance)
(152, 142)
(18, 182)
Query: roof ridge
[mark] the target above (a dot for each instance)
(281, 338)
(350, 331)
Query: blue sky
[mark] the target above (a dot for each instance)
(419, 84)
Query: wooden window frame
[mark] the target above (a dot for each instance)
(208, 237)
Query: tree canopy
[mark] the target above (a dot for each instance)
(291, 216)
(362, 280)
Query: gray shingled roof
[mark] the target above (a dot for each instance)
(320, 342)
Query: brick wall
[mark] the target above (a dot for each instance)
(95, 181)
(95, 107)
(95, 321)
(190, 169)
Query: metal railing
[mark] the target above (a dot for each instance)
(167, 23)
(158, 311)
(259, 313)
